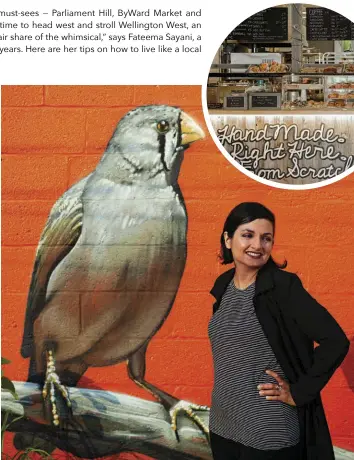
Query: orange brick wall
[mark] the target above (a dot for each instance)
(54, 135)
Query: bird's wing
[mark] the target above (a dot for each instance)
(59, 236)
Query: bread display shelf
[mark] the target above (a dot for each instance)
(325, 69)
(339, 90)
(300, 93)
(323, 110)
(293, 86)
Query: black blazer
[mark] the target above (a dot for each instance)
(292, 320)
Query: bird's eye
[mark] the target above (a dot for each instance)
(163, 126)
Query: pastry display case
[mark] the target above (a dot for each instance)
(339, 91)
(304, 91)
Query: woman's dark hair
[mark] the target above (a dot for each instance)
(242, 214)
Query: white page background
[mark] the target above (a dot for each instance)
(218, 19)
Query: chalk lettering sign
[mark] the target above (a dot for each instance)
(236, 102)
(262, 101)
(313, 154)
(270, 24)
(325, 24)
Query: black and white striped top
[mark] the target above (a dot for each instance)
(241, 355)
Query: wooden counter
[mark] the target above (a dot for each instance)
(288, 146)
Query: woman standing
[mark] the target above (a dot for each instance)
(266, 400)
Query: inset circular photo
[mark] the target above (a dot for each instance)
(279, 98)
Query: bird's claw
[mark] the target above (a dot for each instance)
(51, 383)
(188, 407)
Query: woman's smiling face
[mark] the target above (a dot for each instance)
(252, 243)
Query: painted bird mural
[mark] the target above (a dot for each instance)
(110, 260)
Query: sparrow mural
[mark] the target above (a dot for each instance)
(110, 260)
(106, 273)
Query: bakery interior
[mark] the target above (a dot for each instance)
(291, 58)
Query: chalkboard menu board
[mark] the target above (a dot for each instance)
(238, 101)
(265, 101)
(267, 25)
(324, 24)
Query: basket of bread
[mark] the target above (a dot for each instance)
(268, 67)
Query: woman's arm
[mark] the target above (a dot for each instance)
(316, 322)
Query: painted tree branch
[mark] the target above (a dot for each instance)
(106, 423)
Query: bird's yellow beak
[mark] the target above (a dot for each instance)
(191, 132)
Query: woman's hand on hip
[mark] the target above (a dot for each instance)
(276, 392)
